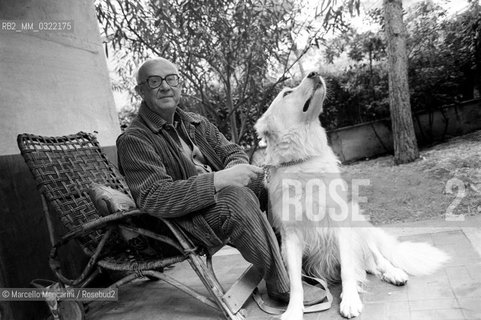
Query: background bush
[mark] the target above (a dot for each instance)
(444, 65)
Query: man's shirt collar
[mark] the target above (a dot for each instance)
(156, 123)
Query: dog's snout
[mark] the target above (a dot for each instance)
(316, 79)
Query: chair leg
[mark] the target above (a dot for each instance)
(208, 261)
(181, 286)
(128, 278)
(162, 276)
(212, 286)
(206, 276)
(89, 279)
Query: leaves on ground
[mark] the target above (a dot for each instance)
(426, 188)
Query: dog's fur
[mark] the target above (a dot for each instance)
(297, 146)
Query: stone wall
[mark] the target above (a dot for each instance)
(372, 139)
(367, 140)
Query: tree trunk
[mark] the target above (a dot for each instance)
(405, 144)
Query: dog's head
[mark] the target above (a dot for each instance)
(292, 111)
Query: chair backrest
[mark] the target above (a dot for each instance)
(64, 168)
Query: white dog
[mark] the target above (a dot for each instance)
(321, 231)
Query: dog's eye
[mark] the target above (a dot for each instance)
(286, 93)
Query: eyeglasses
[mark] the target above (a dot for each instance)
(156, 81)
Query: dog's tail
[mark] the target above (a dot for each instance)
(417, 258)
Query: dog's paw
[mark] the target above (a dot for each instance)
(351, 305)
(293, 313)
(395, 276)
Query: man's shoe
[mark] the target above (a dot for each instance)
(312, 295)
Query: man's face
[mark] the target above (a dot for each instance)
(165, 98)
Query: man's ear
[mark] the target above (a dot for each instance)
(139, 91)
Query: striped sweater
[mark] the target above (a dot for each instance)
(163, 181)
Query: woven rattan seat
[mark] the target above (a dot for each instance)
(64, 169)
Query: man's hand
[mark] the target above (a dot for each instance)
(238, 176)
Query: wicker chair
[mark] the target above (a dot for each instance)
(64, 169)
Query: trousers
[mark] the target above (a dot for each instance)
(237, 218)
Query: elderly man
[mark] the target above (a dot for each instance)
(178, 165)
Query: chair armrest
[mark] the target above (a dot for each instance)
(97, 224)
(104, 221)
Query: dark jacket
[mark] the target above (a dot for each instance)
(162, 180)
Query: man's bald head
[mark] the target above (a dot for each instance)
(159, 94)
(155, 64)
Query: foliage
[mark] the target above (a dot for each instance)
(444, 64)
(356, 95)
(231, 54)
(434, 77)
(125, 117)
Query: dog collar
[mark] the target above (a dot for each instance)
(293, 162)
(267, 168)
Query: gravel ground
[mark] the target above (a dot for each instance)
(446, 179)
